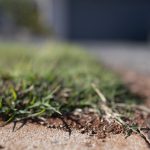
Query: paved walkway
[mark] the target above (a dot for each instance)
(35, 137)
(134, 57)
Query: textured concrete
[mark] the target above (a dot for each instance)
(37, 137)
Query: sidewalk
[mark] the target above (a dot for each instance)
(32, 136)
(135, 57)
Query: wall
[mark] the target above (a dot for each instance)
(109, 20)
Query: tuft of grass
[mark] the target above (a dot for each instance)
(37, 82)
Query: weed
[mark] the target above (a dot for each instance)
(55, 79)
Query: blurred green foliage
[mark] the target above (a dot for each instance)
(24, 13)
(55, 79)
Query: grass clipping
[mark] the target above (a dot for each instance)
(37, 83)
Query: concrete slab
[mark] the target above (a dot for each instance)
(38, 137)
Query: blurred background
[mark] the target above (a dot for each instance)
(77, 19)
(116, 31)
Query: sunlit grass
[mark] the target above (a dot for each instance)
(53, 79)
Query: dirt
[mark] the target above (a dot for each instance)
(83, 129)
(32, 136)
(86, 122)
(138, 84)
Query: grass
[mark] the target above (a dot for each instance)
(54, 79)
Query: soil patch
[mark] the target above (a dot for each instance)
(86, 122)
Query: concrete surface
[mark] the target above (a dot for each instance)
(132, 56)
(32, 136)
